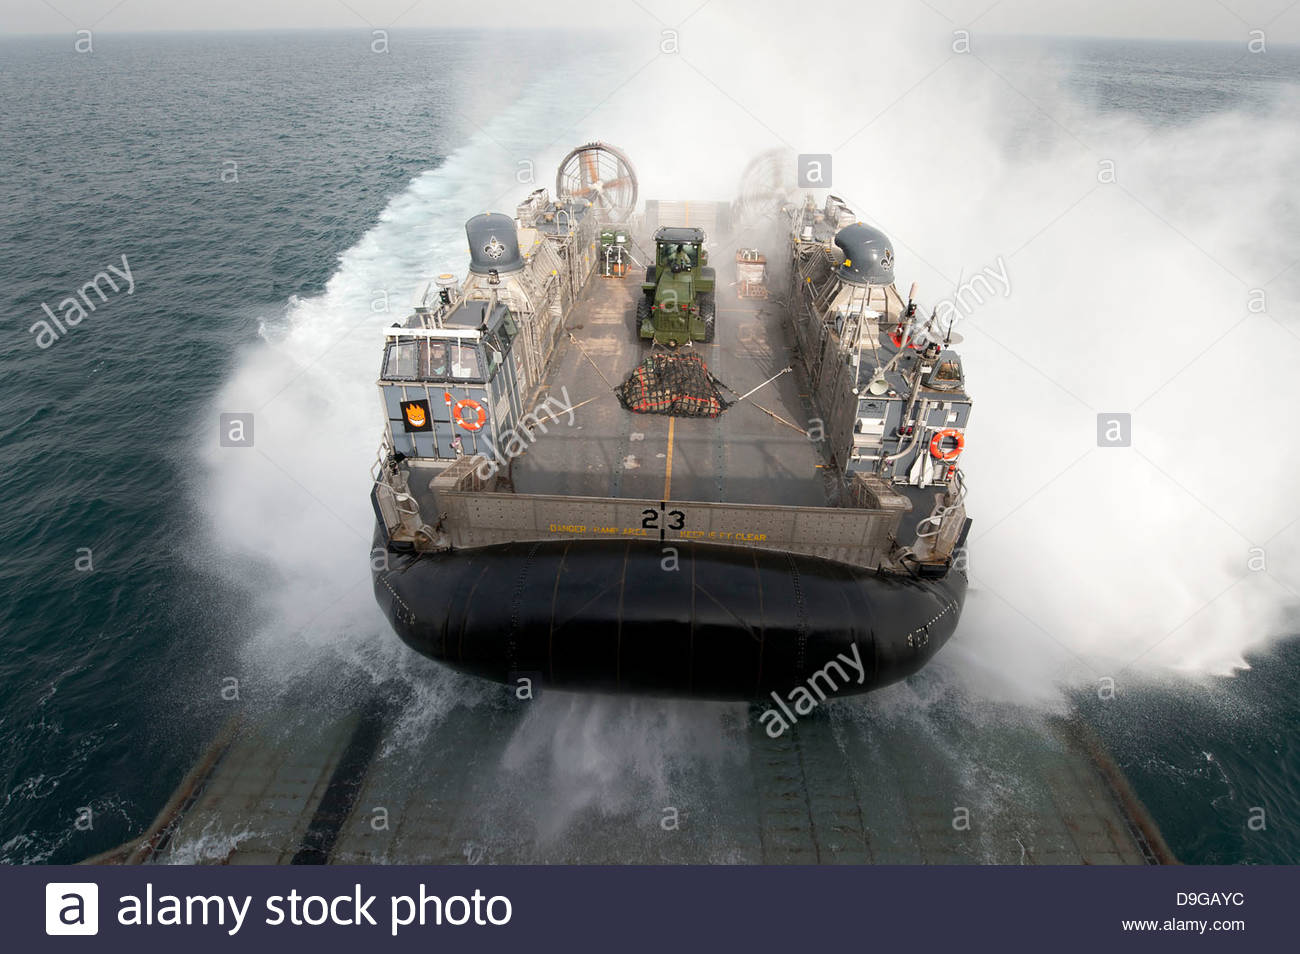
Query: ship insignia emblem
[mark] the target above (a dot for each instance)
(415, 416)
(887, 260)
(494, 249)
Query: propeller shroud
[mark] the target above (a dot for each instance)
(602, 175)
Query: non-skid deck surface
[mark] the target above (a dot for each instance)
(744, 456)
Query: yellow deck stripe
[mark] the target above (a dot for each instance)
(668, 471)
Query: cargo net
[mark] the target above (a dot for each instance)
(676, 384)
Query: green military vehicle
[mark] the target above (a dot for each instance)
(678, 301)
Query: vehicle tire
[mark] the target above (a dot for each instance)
(709, 312)
(642, 316)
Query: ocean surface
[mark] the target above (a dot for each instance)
(276, 197)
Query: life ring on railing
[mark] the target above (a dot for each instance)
(479, 416)
(953, 452)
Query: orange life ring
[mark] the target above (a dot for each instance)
(475, 408)
(936, 445)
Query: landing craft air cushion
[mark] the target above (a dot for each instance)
(529, 526)
(798, 545)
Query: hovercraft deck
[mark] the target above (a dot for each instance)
(745, 456)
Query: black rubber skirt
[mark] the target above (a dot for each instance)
(691, 620)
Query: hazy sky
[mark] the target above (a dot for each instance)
(1226, 20)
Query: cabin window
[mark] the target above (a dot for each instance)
(495, 358)
(671, 251)
(402, 361)
(465, 363)
(508, 331)
(435, 360)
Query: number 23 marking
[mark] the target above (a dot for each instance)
(650, 520)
